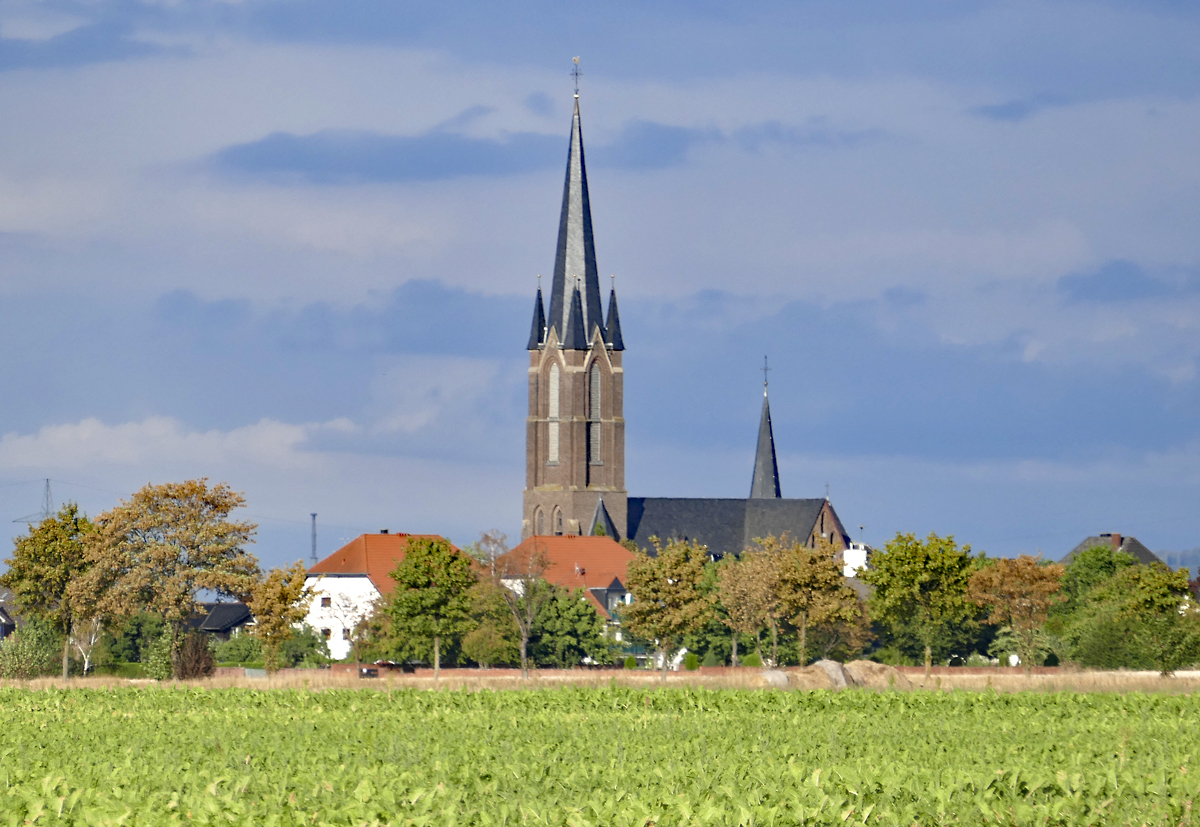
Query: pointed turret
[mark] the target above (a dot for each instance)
(576, 253)
(601, 520)
(537, 330)
(766, 471)
(573, 336)
(612, 325)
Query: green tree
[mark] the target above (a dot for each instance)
(45, 564)
(1091, 568)
(495, 639)
(156, 551)
(279, 602)
(669, 599)
(520, 577)
(1019, 593)
(432, 601)
(1159, 600)
(568, 630)
(921, 586)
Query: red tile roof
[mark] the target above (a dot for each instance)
(576, 562)
(375, 555)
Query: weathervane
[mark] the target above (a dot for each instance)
(765, 370)
(575, 73)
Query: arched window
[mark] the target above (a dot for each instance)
(552, 435)
(594, 456)
(539, 522)
(558, 524)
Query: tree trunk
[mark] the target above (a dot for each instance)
(666, 649)
(804, 639)
(525, 655)
(774, 644)
(928, 661)
(437, 656)
(66, 654)
(733, 660)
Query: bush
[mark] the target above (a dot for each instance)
(30, 652)
(156, 655)
(305, 647)
(631, 662)
(195, 658)
(752, 659)
(241, 648)
(691, 662)
(711, 659)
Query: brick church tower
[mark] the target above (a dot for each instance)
(575, 431)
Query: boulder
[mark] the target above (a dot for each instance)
(776, 678)
(872, 675)
(837, 675)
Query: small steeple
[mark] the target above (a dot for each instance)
(575, 254)
(765, 484)
(573, 336)
(537, 331)
(612, 325)
(600, 518)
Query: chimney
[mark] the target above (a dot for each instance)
(383, 531)
(1116, 541)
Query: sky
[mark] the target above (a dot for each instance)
(292, 245)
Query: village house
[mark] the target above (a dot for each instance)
(347, 583)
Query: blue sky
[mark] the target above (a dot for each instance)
(292, 245)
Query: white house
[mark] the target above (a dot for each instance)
(347, 583)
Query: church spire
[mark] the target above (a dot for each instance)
(612, 325)
(765, 484)
(537, 330)
(575, 256)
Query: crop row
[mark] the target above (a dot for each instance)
(592, 757)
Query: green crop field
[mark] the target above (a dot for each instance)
(599, 757)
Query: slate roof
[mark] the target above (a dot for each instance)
(574, 338)
(225, 617)
(726, 526)
(765, 483)
(375, 555)
(600, 517)
(575, 255)
(612, 326)
(537, 330)
(1129, 545)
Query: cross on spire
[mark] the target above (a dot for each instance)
(575, 73)
(765, 371)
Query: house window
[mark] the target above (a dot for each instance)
(326, 602)
(552, 436)
(345, 634)
(594, 416)
(327, 633)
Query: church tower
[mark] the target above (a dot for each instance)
(575, 431)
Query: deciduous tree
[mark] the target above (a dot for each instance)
(1019, 592)
(568, 630)
(746, 597)
(432, 598)
(279, 602)
(812, 588)
(1159, 601)
(157, 550)
(520, 575)
(921, 585)
(668, 595)
(45, 564)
